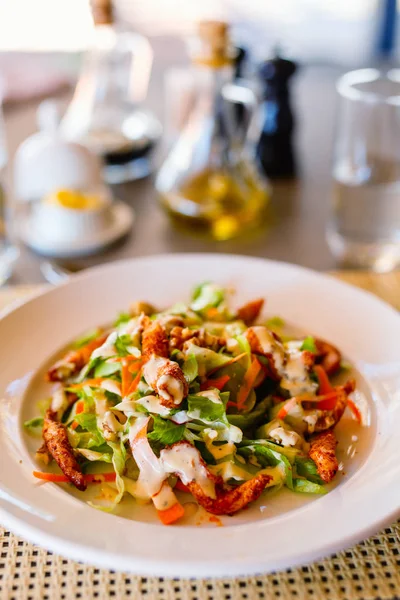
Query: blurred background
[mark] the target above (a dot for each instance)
(43, 42)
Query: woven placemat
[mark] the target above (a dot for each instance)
(370, 570)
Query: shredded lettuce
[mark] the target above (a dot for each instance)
(121, 344)
(35, 423)
(269, 457)
(252, 418)
(275, 323)
(166, 432)
(207, 295)
(89, 336)
(190, 368)
(94, 455)
(307, 468)
(205, 409)
(105, 369)
(207, 359)
(309, 344)
(308, 487)
(88, 421)
(122, 318)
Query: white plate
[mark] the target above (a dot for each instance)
(122, 219)
(284, 532)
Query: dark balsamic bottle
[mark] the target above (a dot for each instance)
(274, 151)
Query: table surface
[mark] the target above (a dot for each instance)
(299, 208)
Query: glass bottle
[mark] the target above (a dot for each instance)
(105, 113)
(207, 181)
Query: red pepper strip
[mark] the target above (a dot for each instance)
(59, 478)
(181, 487)
(324, 384)
(248, 383)
(329, 400)
(282, 413)
(218, 383)
(355, 410)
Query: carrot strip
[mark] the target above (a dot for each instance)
(96, 382)
(171, 515)
(128, 358)
(230, 362)
(59, 478)
(135, 382)
(282, 413)
(249, 379)
(212, 312)
(218, 383)
(355, 410)
(134, 366)
(126, 379)
(324, 384)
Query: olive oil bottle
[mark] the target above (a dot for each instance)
(208, 181)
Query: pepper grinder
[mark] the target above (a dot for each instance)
(274, 151)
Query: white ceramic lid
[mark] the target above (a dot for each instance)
(45, 162)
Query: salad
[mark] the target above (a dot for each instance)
(196, 398)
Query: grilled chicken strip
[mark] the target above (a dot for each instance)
(154, 340)
(166, 378)
(231, 501)
(74, 361)
(250, 311)
(330, 418)
(56, 439)
(322, 452)
(328, 356)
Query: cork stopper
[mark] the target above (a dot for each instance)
(214, 48)
(102, 11)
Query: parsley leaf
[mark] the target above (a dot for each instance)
(166, 432)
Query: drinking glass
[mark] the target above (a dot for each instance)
(8, 249)
(364, 228)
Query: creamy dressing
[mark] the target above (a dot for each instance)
(212, 395)
(59, 401)
(180, 417)
(228, 470)
(167, 386)
(110, 385)
(295, 374)
(151, 368)
(221, 451)
(270, 345)
(107, 349)
(285, 437)
(151, 471)
(111, 423)
(288, 361)
(170, 388)
(153, 405)
(185, 461)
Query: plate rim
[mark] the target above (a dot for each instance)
(167, 568)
